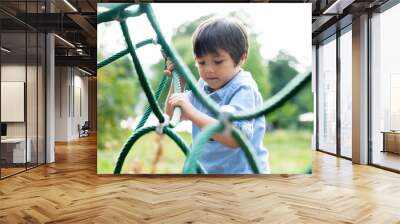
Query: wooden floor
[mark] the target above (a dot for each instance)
(10, 171)
(69, 191)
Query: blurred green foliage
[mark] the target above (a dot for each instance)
(282, 70)
(118, 88)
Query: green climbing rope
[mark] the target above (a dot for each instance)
(207, 133)
(121, 12)
(141, 132)
(123, 53)
(176, 116)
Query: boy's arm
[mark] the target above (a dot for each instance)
(169, 108)
(201, 120)
(243, 99)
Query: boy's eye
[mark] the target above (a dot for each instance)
(218, 62)
(201, 62)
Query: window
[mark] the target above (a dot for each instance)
(327, 96)
(346, 94)
(23, 79)
(385, 88)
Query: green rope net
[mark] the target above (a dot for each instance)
(121, 12)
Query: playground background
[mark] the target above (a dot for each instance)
(279, 49)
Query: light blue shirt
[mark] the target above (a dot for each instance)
(241, 93)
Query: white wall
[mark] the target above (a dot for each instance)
(61, 103)
(12, 101)
(15, 73)
(71, 94)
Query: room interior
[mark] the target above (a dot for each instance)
(48, 91)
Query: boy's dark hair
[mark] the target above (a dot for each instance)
(221, 33)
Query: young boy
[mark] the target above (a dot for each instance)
(220, 49)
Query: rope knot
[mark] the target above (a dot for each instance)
(160, 126)
(224, 118)
(120, 16)
(154, 41)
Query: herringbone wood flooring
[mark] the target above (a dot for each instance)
(70, 191)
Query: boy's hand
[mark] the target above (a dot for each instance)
(170, 67)
(180, 99)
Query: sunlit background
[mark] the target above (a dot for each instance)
(280, 48)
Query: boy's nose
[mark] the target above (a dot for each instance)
(209, 70)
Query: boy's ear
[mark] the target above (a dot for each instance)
(243, 59)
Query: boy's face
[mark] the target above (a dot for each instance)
(217, 69)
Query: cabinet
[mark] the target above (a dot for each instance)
(391, 141)
(13, 150)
